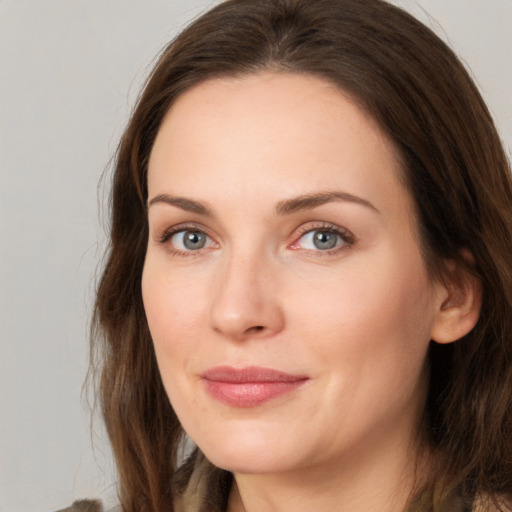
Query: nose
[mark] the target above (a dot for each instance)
(245, 302)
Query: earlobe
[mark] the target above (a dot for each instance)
(459, 309)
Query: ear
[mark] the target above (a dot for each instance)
(460, 302)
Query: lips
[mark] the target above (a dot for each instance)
(250, 386)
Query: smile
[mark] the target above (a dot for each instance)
(249, 387)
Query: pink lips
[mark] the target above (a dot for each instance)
(250, 386)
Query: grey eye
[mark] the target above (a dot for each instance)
(325, 240)
(189, 240)
(322, 239)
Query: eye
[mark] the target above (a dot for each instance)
(323, 239)
(187, 240)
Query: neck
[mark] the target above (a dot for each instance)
(381, 478)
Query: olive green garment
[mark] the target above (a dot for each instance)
(205, 488)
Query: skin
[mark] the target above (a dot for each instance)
(356, 320)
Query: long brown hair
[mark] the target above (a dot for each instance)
(454, 166)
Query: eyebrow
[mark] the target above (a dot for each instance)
(189, 205)
(285, 207)
(310, 201)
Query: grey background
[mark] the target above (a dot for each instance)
(70, 71)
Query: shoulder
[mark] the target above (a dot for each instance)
(86, 506)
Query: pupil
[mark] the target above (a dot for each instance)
(324, 240)
(194, 240)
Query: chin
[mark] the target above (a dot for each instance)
(246, 462)
(248, 453)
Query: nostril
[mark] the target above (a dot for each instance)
(254, 330)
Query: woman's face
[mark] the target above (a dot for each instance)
(284, 287)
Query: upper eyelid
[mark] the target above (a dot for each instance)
(182, 226)
(326, 226)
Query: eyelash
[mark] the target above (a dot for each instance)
(345, 235)
(166, 236)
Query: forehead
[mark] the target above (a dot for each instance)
(270, 133)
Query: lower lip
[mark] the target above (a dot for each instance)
(249, 394)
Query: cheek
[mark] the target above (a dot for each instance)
(371, 332)
(374, 316)
(172, 303)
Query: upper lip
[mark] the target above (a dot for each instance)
(249, 374)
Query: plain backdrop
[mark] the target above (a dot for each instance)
(70, 71)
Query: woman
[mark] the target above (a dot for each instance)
(309, 271)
